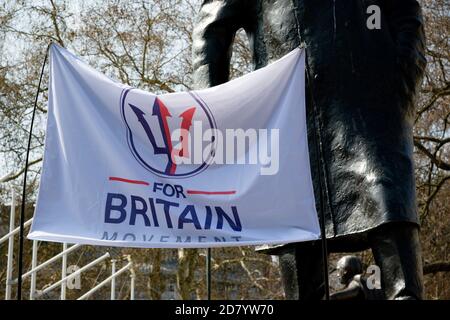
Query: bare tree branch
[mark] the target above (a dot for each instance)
(438, 162)
(436, 267)
(14, 176)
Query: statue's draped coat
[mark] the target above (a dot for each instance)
(361, 81)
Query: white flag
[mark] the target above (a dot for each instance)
(224, 166)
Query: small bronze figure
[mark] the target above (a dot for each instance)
(350, 273)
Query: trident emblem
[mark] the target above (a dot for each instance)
(161, 111)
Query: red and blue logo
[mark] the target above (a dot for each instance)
(150, 127)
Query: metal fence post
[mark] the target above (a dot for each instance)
(9, 265)
(33, 265)
(113, 280)
(64, 272)
(132, 284)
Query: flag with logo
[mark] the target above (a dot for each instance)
(223, 166)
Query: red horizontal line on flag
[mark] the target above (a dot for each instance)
(188, 191)
(129, 181)
(210, 192)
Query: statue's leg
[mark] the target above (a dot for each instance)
(396, 249)
(301, 271)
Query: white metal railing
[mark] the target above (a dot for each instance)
(72, 275)
(35, 267)
(104, 282)
(46, 263)
(12, 233)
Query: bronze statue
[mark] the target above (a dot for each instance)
(362, 83)
(350, 273)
